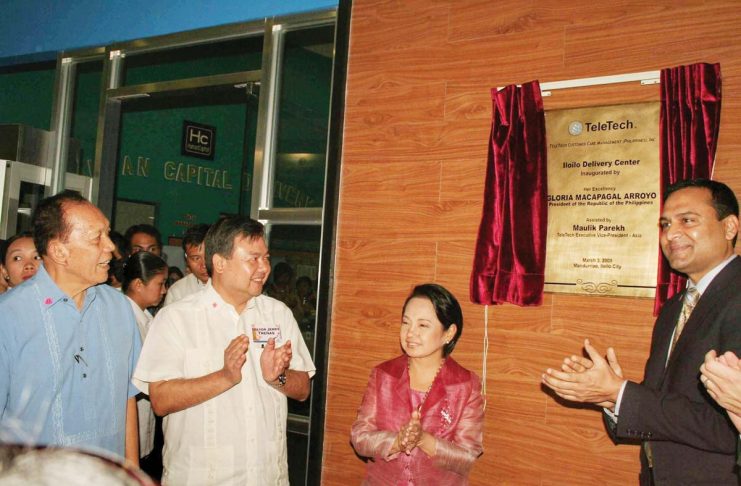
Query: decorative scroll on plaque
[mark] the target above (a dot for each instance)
(603, 200)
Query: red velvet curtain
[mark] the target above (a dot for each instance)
(689, 123)
(509, 264)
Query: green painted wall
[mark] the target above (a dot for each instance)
(187, 190)
(27, 94)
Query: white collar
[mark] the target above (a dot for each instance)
(704, 282)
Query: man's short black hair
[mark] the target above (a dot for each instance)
(220, 237)
(723, 198)
(48, 219)
(147, 229)
(195, 235)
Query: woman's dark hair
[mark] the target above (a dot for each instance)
(6, 244)
(170, 271)
(176, 271)
(447, 309)
(142, 265)
(116, 270)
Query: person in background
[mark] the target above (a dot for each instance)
(143, 237)
(195, 259)
(115, 273)
(19, 259)
(118, 239)
(173, 275)
(421, 419)
(686, 438)
(144, 276)
(282, 287)
(305, 292)
(305, 310)
(68, 346)
(220, 364)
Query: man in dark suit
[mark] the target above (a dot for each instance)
(687, 439)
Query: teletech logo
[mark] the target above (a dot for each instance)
(198, 140)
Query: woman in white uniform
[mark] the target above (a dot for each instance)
(144, 276)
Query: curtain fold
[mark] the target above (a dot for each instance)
(689, 123)
(509, 261)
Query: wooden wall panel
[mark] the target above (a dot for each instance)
(418, 112)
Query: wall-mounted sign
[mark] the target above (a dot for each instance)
(603, 200)
(198, 140)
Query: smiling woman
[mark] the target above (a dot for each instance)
(19, 259)
(422, 414)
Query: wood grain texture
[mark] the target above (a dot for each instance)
(417, 121)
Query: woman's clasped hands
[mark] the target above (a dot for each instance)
(410, 434)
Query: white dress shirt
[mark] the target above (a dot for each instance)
(183, 288)
(239, 436)
(143, 405)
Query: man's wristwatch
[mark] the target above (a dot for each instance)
(280, 382)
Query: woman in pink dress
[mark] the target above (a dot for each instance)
(421, 419)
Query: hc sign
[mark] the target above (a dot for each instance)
(198, 140)
(199, 136)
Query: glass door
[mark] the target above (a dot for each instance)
(188, 153)
(24, 185)
(24, 188)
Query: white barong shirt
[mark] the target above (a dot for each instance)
(184, 287)
(239, 436)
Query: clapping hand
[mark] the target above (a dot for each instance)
(235, 356)
(275, 361)
(721, 376)
(596, 380)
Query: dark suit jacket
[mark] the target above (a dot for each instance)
(691, 437)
